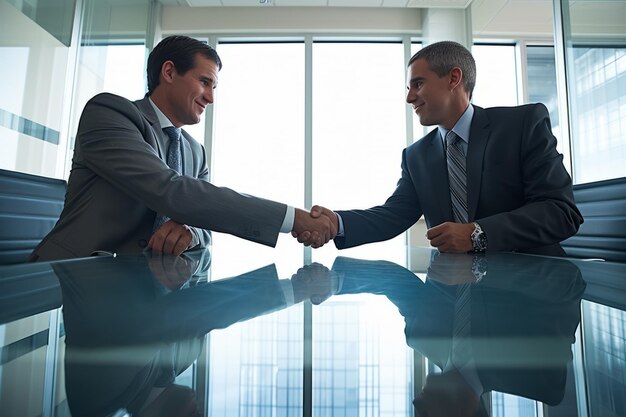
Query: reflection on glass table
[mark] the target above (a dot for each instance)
(152, 336)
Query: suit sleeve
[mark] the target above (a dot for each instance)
(203, 235)
(549, 214)
(383, 222)
(113, 143)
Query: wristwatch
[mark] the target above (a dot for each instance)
(479, 267)
(479, 238)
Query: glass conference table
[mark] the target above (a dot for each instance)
(440, 335)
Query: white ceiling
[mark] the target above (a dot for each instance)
(490, 18)
(319, 3)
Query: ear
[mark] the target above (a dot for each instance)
(456, 78)
(168, 70)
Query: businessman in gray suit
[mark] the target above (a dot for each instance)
(134, 187)
(514, 195)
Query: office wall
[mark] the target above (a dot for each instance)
(32, 86)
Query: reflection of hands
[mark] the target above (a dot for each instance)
(451, 237)
(315, 228)
(172, 238)
(308, 237)
(171, 271)
(314, 282)
(452, 268)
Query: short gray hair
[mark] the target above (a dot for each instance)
(445, 55)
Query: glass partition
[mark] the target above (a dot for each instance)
(33, 83)
(55, 17)
(595, 51)
(112, 53)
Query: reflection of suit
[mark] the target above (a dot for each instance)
(517, 187)
(523, 315)
(119, 180)
(126, 334)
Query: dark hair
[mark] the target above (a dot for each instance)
(443, 56)
(182, 51)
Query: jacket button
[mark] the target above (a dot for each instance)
(143, 243)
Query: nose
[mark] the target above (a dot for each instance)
(208, 95)
(410, 96)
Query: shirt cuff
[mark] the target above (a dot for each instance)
(287, 287)
(340, 227)
(290, 215)
(195, 238)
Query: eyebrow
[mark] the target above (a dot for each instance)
(413, 80)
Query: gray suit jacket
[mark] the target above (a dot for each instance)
(119, 181)
(517, 187)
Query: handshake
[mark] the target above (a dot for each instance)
(316, 228)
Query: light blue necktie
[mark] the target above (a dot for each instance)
(457, 177)
(174, 161)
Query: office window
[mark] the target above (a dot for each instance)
(358, 127)
(110, 68)
(598, 103)
(541, 70)
(258, 142)
(595, 64)
(418, 130)
(496, 76)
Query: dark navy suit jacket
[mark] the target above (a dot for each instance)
(518, 189)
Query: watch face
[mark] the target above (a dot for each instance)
(479, 240)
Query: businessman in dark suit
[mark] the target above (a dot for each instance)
(516, 194)
(133, 186)
(521, 317)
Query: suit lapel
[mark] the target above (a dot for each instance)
(479, 135)
(438, 171)
(148, 112)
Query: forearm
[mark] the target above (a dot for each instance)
(373, 225)
(532, 225)
(116, 145)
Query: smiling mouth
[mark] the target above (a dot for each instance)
(416, 108)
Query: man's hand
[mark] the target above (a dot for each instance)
(451, 237)
(171, 271)
(452, 269)
(307, 237)
(172, 238)
(314, 282)
(315, 229)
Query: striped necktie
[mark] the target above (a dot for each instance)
(174, 155)
(457, 177)
(461, 345)
(174, 161)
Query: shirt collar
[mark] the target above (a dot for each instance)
(163, 120)
(462, 126)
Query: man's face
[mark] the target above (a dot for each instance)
(430, 95)
(190, 93)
